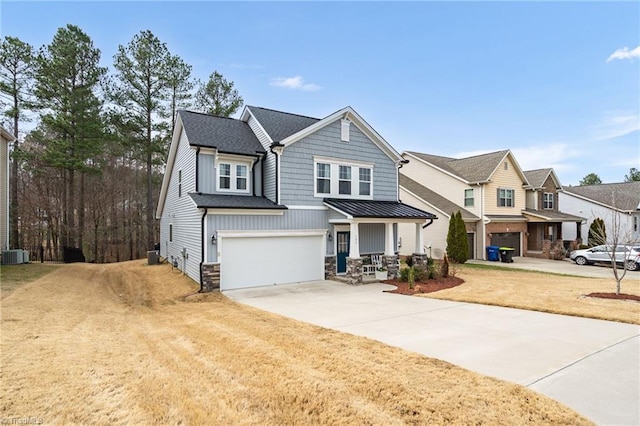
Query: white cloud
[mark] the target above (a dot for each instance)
(295, 83)
(624, 53)
(615, 125)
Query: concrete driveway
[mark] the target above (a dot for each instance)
(590, 365)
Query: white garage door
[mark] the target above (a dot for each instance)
(259, 261)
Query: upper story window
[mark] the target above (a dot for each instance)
(547, 200)
(323, 178)
(232, 176)
(365, 181)
(506, 197)
(344, 182)
(468, 198)
(343, 179)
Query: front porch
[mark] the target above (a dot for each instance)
(544, 231)
(363, 239)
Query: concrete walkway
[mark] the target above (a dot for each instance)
(565, 266)
(590, 365)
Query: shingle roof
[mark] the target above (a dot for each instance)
(378, 209)
(225, 134)
(434, 199)
(478, 168)
(537, 177)
(553, 216)
(280, 125)
(219, 201)
(623, 196)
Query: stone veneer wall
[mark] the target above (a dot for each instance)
(419, 259)
(329, 267)
(210, 277)
(391, 263)
(354, 270)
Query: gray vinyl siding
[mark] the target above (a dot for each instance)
(182, 214)
(334, 215)
(297, 171)
(290, 220)
(371, 238)
(207, 176)
(206, 173)
(269, 160)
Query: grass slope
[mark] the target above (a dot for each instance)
(121, 344)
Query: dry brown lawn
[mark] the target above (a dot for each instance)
(544, 292)
(119, 343)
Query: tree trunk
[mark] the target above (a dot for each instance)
(14, 211)
(81, 212)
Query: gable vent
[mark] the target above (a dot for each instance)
(344, 130)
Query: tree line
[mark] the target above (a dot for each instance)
(88, 172)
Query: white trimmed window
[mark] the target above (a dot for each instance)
(506, 197)
(468, 197)
(232, 176)
(343, 179)
(365, 181)
(547, 201)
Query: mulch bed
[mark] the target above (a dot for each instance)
(615, 296)
(427, 286)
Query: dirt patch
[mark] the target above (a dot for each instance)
(426, 286)
(631, 297)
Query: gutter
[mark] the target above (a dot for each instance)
(427, 224)
(202, 238)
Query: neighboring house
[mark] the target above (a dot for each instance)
(545, 220)
(274, 198)
(5, 139)
(606, 201)
(488, 189)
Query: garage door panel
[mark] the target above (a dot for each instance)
(259, 261)
(507, 239)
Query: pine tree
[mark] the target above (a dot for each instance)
(597, 232)
(218, 97)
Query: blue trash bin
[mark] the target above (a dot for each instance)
(493, 253)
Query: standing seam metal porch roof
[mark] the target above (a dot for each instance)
(377, 209)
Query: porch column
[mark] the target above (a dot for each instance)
(419, 239)
(388, 240)
(354, 243)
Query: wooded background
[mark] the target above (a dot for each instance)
(92, 141)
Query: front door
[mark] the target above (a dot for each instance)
(342, 252)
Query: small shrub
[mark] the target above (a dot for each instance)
(404, 274)
(420, 273)
(444, 267)
(409, 261)
(430, 261)
(558, 251)
(411, 277)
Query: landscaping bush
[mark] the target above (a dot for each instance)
(557, 252)
(457, 247)
(409, 261)
(419, 273)
(597, 233)
(444, 267)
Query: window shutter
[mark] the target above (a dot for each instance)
(498, 197)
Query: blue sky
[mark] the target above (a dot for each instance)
(558, 83)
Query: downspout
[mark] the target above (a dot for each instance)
(204, 241)
(197, 167)
(253, 176)
(399, 165)
(427, 224)
(275, 147)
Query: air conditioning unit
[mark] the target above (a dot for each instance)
(13, 257)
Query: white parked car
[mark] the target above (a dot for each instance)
(626, 255)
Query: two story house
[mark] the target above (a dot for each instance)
(275, 197)
(488, 189)
(545, 220)
(617, 204)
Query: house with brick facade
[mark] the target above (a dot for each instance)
(545, 219)
(489, 190)
(274, 197)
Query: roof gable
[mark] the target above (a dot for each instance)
(538, 177)
(474, 169)
(286, 129)
(225, 134)
(624, 196)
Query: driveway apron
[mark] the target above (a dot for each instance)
(592, 366)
